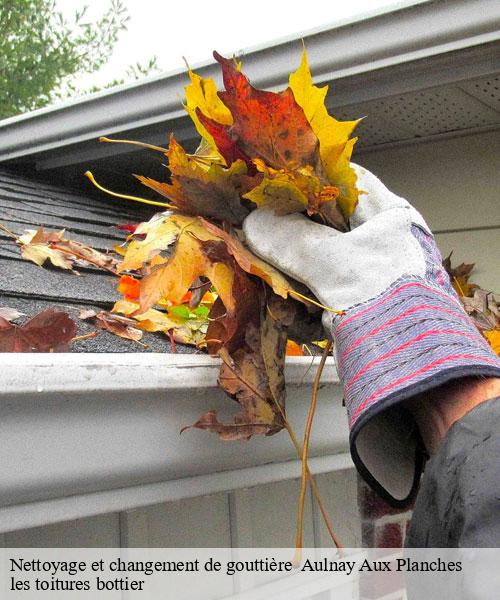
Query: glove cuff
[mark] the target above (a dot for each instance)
(410, 339)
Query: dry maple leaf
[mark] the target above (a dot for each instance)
(201, 190)
(460, 276)
(49, 331)
(335, 144)
(201, 95)
(266, 125)
(40, 246)
(482, 306)
(116, 324)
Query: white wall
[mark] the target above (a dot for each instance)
(455, 184)
(262, 516)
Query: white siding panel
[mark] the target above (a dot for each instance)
(339, 494)
(479, 247)
(265, 516)
(455, 183)
(102, 531)
(195, 523)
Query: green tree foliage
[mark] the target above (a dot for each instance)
(42, 53)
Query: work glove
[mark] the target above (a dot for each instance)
(403, 331)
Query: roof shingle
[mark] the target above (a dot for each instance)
(29, 204)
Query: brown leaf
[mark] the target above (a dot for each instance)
(460, 276)
(49, 331)
(231, 432)
(483, 309)
(228, 323)
(40, 246)
(199, 189)
(116, 324)
(253, 373)
(277, 317)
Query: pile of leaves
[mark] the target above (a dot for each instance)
(482, 306)
(187, 270)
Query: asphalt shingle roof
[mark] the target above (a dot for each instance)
(29, 204)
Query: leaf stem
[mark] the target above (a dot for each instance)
(305, 451)
(89, 175)
(134, 143)
(311, 301)
(459, 286)
(9, 232)
(299, 450)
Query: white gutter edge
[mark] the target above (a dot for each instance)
(25, 373)
(86, 434)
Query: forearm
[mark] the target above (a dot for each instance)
(437, 410)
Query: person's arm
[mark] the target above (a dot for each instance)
(403, 333)
(436, 411)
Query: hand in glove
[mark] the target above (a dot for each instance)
(404, 330)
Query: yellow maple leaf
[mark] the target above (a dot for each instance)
(493, 337)
(294, 191)
(161, 232)
(171, 278)
(279, 191)
(202, 93)
(335, 147)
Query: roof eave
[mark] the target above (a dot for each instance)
(374, 50)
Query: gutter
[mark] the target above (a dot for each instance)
(366, 58)
(85, 434)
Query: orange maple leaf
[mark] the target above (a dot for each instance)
(267, 125)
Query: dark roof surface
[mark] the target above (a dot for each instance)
(29, 204)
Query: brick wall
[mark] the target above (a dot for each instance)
(381, 527)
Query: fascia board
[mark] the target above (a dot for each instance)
(72, 373)
(346, 52)
(85, 434)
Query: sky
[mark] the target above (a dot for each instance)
(171, 29)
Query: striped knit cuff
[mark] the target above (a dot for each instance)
(412, 338)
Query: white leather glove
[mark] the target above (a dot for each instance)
(403, 332)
